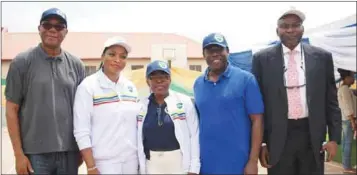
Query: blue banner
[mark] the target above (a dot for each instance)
(242, 60)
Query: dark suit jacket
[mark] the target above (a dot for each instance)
(324, 113)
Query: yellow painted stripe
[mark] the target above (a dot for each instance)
(105, 95)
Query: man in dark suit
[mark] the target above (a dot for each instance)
(299, 92)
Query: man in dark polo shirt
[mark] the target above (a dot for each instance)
(40, 88)
(230, 106)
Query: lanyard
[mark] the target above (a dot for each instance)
(301, 66)
(301, 59)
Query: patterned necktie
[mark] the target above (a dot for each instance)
(294, 97)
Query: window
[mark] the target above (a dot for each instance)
(135, 67)
(196, 68)
(90, 70)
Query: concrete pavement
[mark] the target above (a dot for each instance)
(8, 166)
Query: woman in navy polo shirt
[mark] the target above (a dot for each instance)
(167, 127)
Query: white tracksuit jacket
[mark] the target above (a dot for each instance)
(105, 118)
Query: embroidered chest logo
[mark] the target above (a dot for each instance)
(130, 89)
(179, 105)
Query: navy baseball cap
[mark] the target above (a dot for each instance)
(214, 39)
(157, 66)
(54, 12)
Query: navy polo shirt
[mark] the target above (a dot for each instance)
(225, 125)
(158, 137)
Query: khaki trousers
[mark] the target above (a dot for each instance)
(165, 162)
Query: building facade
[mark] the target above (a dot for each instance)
(181, 51)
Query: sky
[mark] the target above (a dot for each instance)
(242, 23)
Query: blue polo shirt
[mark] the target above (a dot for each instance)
(225, 125)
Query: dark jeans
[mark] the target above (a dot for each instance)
(347, 138)
(55, 163)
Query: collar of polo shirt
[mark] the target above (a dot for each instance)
(226, 73)
(59, 57)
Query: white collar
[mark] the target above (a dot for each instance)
(287, 50)
(105, 82)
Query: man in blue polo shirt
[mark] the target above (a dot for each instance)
(230, 105)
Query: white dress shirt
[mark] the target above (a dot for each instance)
(300, 62)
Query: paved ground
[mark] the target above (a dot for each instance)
(7, 159)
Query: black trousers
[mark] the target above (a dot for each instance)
(298, 157)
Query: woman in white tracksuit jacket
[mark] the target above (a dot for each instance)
(168, 141)
(105, 110)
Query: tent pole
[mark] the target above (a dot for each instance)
(169, 63)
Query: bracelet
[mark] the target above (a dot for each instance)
(91, 169)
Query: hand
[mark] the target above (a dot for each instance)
(80, 161)
(331, 148)
(23, 165)
(93, 171)
(264, 157)
(251, 167)
(353, 124)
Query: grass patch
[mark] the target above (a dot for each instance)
(338, 157)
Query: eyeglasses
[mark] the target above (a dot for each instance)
(294, 85)
(159, 77)
(48, 26)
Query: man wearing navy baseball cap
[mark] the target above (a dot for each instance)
(167, 127)
(40, 89)
(214, 39)
(54, 13)
(230, 105)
